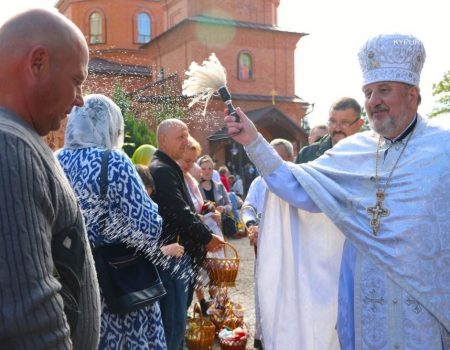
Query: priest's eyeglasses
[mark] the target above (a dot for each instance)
(344, 125)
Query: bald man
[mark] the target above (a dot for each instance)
(48, 290)
(180, 224)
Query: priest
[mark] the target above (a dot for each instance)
(386, 190)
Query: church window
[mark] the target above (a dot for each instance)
(96, 28)
(245, 66)
(144, 27)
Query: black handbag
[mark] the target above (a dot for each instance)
(229, 227)
(127, 279)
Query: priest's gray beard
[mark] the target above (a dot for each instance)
(387, 125)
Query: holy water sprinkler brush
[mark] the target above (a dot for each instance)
(205, 81)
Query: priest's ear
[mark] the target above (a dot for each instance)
(414, 95)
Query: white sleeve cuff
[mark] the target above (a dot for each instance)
(262, 154)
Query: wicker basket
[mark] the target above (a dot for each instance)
(229, 344)
(223, 271)
(231, 319)
(200, 332)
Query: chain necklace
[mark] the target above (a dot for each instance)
(378, 210)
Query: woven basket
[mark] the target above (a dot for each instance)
(230, 320)
(200, 332)
(223, 271)
(228, 344)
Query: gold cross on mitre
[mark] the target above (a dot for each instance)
(273, 93)
(377, 211)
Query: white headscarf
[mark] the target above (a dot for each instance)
(99, 123)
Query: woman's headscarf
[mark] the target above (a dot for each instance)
(99, 123)
(143, 154)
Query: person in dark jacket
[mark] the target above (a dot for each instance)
(345, 120)
(180, 224)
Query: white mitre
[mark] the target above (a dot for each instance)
(392, 57)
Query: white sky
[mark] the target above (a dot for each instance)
(326, 60)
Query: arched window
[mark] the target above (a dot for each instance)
(144, 28)
(245, 64)
(95, 28)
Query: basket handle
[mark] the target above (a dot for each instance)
(234, 249)
(197, 308)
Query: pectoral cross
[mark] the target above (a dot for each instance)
(377, 211)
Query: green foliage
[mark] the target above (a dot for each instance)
(442, 89)
(137, 132)
(364, 117)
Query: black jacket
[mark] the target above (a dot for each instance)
(314, 151)
(176, 208)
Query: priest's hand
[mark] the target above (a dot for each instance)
(245, 131)
(253, 235)
(216, 243)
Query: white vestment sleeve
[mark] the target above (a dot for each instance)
(278, 176)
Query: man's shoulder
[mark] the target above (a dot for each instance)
(161, 162)
(315, 150)
(12, 127)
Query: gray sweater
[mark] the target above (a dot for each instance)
(36, 202)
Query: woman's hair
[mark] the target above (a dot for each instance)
(146, 176)
(193, 144)
(205, 159)
(223, 170)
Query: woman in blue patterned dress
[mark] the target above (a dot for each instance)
(91, 129)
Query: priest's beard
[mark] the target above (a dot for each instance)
(382, 127)
(390, 126)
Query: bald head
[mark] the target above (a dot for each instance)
(44, 60)
(172, 137)
(284, 148)
(39, 27)
(168, 125)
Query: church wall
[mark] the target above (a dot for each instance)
(119, 26)
(273, 55)
(256, 11)
(272, 52)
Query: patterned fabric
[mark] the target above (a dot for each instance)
(132, 216)
(392, 57)
(137, 215)
(98, 123)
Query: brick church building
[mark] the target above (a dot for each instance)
(147, 46)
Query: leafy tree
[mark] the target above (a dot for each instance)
(442, 89)
(364, 117)
(137, 132)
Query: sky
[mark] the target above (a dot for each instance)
(326, 60)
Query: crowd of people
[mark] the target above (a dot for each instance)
(356, 232)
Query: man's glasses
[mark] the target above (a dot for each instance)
(344, 125)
